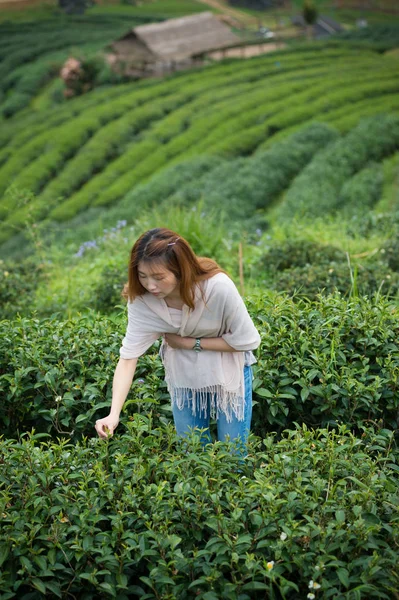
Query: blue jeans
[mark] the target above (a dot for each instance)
(236, 430)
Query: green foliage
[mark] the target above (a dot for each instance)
(390, 253)
(31, 53)
(309, 12)
(247, 186)
(49, 381)
(25, 82)
(316, 191)
(325, 362)
(383, 224)
(107, 293)
(310, 280)
(59, 380)
(362, 191)
(18, 282)
(331, 361)
(145, 515)
(237, 187)
(169, 183)
(227, 109)
(298, 253)
(383, 36)
(305, 269)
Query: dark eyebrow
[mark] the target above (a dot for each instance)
(142, 273)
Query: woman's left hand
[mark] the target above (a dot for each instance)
(179, 342)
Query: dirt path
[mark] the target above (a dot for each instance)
(233, 13)
(246, 51)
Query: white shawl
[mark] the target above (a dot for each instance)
(219, 374)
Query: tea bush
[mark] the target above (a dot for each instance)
(56, 374)
(18, 282)
(144, 515)
(30, 52)
(382, 36)
(68, 141)
(331, 361)
(324, 362)
(310, 280)
(299, 253)
(316, 191)
(242, 186)
(246, 187)
(304, 269)
(108, 143)
(107, 294)
(169, 182)
(341, 96)
(383, 224)
(391, 253)
(349, 117)
(362, 191)
(226, 73)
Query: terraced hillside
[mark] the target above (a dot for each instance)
(92, 151)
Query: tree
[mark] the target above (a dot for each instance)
(75, 7)
(309, 12)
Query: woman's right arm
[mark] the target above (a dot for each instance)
(122, 382)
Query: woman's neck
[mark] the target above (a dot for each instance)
(174, 302)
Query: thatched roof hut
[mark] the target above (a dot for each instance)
(173, 43)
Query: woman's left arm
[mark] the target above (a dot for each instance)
(241, 334)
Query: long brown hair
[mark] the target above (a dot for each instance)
(175, 254)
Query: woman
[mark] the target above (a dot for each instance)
(207, 335)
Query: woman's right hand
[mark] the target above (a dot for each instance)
(105, 427)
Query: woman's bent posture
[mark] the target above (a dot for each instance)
(207, 333)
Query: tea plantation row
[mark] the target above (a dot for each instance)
(319, 363)
(310, 514)
(256, 189)
(100, 159)
(32, 53)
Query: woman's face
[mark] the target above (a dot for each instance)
(157, 279)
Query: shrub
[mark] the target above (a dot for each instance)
(79, 75)
(304, 269)
(331, 361)
(309, 280)
(169, 182)
(242, 186)
(61, 376)
(383, 224)
(108, 143)
(14, 104)
(18, 282)
(107, 293)
(348, 117)
(313, 103)
(390, 254)
(383, 35)
(362, 191)
(316, 191)
(325, 362)
(146, 516)
(299, 253)
(68, 140)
